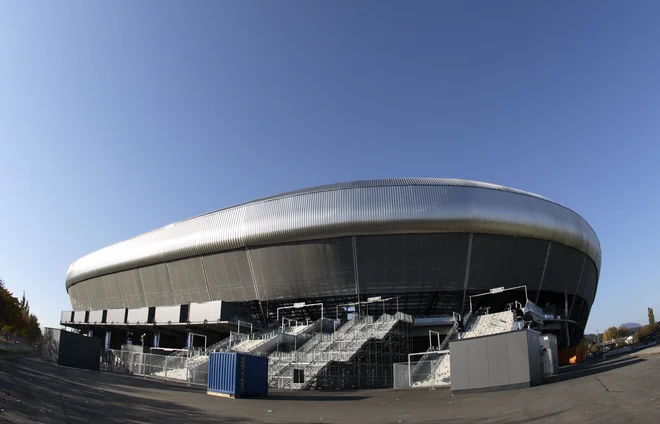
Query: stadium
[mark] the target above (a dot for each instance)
(419, 247)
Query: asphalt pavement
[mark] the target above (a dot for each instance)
(620, 390)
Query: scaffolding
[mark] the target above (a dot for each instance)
(358, 355)
(371, 366)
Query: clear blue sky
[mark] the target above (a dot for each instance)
(120, 117)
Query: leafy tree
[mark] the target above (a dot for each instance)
(651, 317)
(610, 334)
(15, 317)
(9, 307)
(25, 305)
(622, 331)
(642, 332)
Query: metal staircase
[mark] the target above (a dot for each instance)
(322, 349)
(439, 373)
(260, 342)
(434, 368)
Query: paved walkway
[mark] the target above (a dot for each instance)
(655, 350)
(620, 390)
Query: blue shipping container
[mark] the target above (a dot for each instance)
(235, 374)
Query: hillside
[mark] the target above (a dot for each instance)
(632, 325)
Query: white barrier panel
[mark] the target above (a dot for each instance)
(95, 317)
(115, 316)
(209, 311)
(79, 316)
(165, 314)
(140, 315)
(66, 316)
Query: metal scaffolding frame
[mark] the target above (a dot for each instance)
(375, 299)
(371, 366)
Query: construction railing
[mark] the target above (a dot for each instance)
(432, 372)
(193, 370)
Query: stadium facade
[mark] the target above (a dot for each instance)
(428, 243)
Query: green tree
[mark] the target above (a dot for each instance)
(10, 311)
(15, 317)
(642, 332)
(622, 331)
(610, 334)
(651, 317)
(25, 305)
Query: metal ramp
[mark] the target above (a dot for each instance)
(485, 325)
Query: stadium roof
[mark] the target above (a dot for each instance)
(393, 206)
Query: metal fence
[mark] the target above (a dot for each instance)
(431, 372)
(191, 370)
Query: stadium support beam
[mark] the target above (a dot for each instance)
(355, 268)
(577, 289)
(568, 336)
(206, 280)
(467, 273)
(264, 316)
(545, 266)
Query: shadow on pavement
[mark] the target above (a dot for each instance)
(38, 391)
(594, 367)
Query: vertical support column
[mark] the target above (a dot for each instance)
(355, 268)
(568, 336)
(169, 280)
(108, 335)
(206, 280)
(467, 273)
(156, 339)
(545, 265)
(570, 311)
(90, 333)
(144, 289)
(189, 341)
(256, 286)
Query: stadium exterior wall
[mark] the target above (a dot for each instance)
(431, 241)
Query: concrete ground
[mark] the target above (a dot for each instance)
(620, 390)
(654, 350)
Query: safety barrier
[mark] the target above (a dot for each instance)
(429, 373)
(193, 370)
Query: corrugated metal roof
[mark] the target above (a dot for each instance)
(394, 206)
